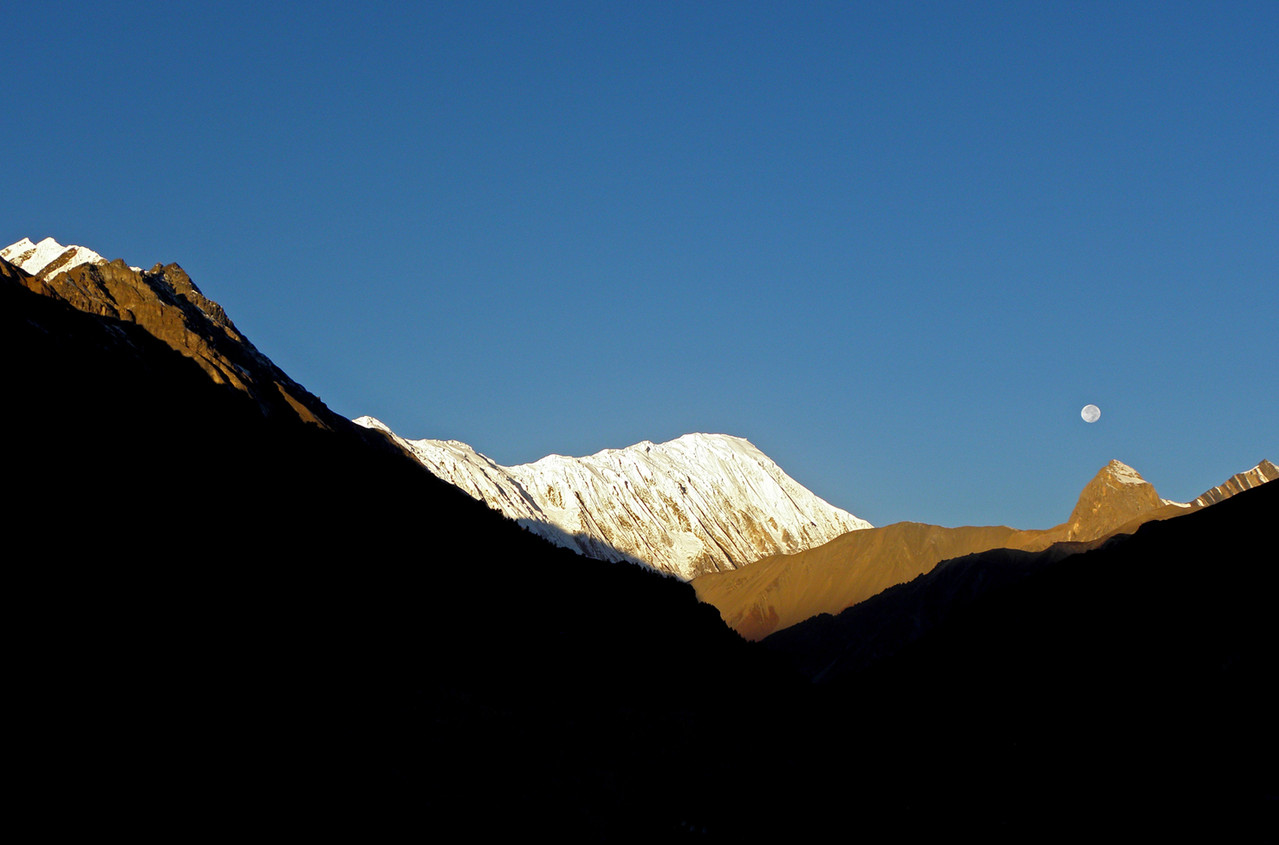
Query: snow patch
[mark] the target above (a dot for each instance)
(372, 422)
(1125, 474)
(48, 258)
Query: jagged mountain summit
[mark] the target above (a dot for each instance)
(48, 258)
(700, 503)
(168, 305)
(1260, 474)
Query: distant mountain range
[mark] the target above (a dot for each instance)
(233, 607)
(838, 643)
(700, 503)
(783, 590)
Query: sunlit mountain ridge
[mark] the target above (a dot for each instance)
(783, 590)
(700, 503)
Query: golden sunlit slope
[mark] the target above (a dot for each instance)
(782, 590)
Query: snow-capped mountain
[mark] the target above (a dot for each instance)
(48, 258)
(699, 503)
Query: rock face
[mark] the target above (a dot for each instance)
(1255, 477)
(699, 503)
(783, 590)
(167, 304)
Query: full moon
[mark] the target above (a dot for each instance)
(1090, 413)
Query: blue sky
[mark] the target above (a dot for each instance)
(897, 246)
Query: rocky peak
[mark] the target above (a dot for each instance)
(1117, 494)
(168, 305)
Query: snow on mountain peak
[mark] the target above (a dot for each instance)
(1124, 474)
(19, 247)
(48, 258)
(698, 503)
(373, 423)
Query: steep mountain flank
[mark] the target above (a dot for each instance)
(783, 590)
(232, 617)
(167, 305)
(699, 503)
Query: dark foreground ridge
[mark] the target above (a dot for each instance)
(1122, 686)
(226, 616)
(226, 611)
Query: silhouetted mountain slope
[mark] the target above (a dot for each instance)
(826, 647)
(224, 618)
(222, 612)
(169, 307)
(1126, 685)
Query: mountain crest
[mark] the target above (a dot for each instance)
(780, 591)
(48, 258)
(166, 304)
(1263, 472)
(698, 503)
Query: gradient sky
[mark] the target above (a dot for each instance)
(897, 246)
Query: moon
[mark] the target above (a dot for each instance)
(1090, 413)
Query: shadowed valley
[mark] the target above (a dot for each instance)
(226, 615)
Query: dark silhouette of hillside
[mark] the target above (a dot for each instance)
(224, 611)
(1124, 689)
(829, 647)
(226, 617)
